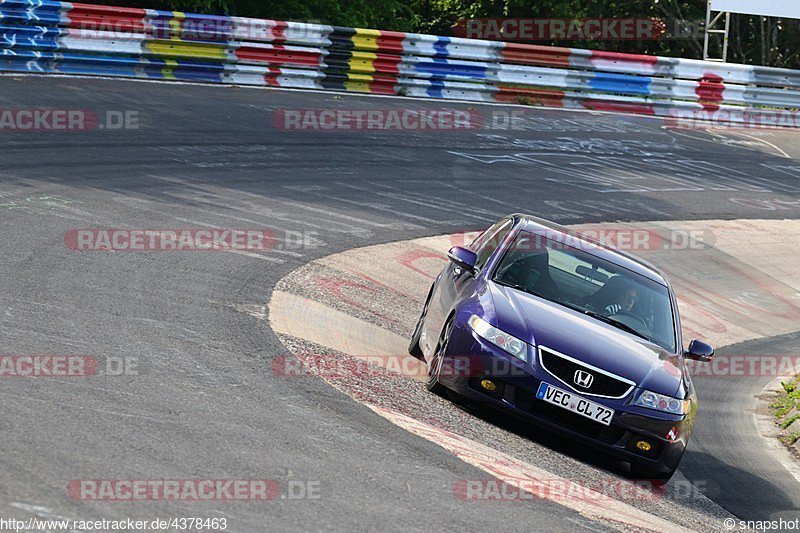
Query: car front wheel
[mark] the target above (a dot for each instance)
(435, 364)
(413, 346)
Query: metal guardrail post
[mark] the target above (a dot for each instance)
(711, 29)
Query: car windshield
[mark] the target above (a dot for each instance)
(571, 276)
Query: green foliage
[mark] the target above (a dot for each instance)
(790, 439)
(789, 421)
(383, 14)
(788, 401)
(781, 406)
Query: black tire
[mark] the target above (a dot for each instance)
(435, 365)
(413, 346)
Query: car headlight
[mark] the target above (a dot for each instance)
(499, 338)
(659, 402)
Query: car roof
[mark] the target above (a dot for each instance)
(603, 251)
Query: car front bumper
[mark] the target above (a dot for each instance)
(470, 360)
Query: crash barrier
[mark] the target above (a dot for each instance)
(43, 36)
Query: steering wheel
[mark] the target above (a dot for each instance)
(636, 318)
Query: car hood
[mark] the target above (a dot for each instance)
(544, 323)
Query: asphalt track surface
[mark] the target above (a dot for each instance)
(205, 403)
(753, 486)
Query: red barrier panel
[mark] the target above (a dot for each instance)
(387, 63)
(711, 92)
(537, 97)
(531, 54)
(391, 41)
(383, 85)
(278, 55)
(618, 57)
(106, 18)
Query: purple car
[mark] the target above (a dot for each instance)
(567, 333)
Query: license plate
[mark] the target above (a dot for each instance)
(576, 404)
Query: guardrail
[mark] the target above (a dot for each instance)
(44, 36)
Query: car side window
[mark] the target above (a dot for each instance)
(488, 243)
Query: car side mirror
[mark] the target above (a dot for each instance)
(463, 257)
(699, 351)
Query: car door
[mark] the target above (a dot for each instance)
(454, 282)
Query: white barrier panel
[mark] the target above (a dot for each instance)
(767, 8)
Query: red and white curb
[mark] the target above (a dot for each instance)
(591, 504)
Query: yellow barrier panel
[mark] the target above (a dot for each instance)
(177, 48)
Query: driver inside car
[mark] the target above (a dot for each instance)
(617, 295)
(625, 302)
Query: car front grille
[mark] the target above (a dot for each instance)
(603, 384)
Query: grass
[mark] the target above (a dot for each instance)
(791, 438)
(788, 422)
(786, 402)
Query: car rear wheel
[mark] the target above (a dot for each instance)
(435, 364)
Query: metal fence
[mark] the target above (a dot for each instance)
(61, 37)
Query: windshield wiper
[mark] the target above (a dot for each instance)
(607, 320)
(617, 324)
